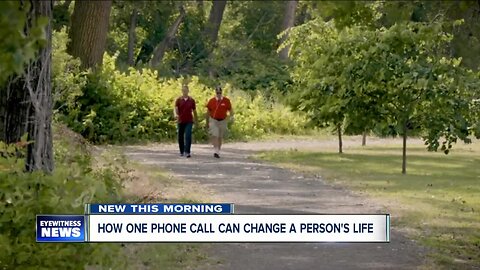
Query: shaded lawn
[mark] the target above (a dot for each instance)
(438, 201)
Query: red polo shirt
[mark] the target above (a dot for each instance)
(185, 106)
(217, 109)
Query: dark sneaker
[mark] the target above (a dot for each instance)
(189, 156)
(216, 155)
(181, 154)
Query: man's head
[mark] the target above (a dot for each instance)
(218, 91)
(185, 90)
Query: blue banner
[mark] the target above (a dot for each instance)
(60, 228)
(160, 208)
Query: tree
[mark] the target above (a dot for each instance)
(132, 36)
(399, 78)
(465, 36)
(88, 31)
(215, 20)
(39, 87)
(15, 52)
(288, 22)
(160, 49)
(29, 94)
(211, 29)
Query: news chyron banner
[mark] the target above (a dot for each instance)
(207, 223)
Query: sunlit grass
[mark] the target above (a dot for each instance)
(438, 201)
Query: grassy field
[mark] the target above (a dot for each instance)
(437, 202)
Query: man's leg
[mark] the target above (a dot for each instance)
(215, 143)
(219, 142)
(222, 128)
(213, 130)
(216, 148)
(188, 138)
(181, 138)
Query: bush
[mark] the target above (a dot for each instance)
(128, 107)
(24, 195)
(67, 77)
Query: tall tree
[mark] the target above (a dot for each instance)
(88, 31)
(132, 36)
(215, 20)
(161, 48)
(288, 22)
(39, 88)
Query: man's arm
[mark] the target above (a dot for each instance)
(207, 117)
(195, 117)
(232, 114)
(175, 110)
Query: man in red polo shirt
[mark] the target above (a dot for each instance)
(184, 108)
(217, 108)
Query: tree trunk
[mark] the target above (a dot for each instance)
(26, 101)
(364, 138)
(404, 151)
(340, 142)
(88, 31)
(159, 51)
(214, 21)
(14, 107)
(288, 22)
(132, 37)
(39, 87)
(212, 28)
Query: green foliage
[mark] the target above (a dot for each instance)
(248, 69)
(24, 195)
(258, 116)
(67, 77)
(62, 14)
(245, 54)
(255, 22)
(121, 107)
(397, 77)
(16, 49)
(347, 13)
(465, 42)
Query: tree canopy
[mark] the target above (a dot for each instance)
(399, 80)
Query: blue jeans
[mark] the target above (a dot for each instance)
(184, 137)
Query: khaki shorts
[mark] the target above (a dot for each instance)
(217, 128)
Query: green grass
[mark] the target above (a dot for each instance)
(437, 202)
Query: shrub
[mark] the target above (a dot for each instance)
(128, 107)
(24, 195)
(67, 77)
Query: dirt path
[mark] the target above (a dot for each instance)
(257, 187)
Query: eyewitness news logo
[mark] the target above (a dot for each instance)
(60, 228)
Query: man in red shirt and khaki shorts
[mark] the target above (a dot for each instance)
(217, 108)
